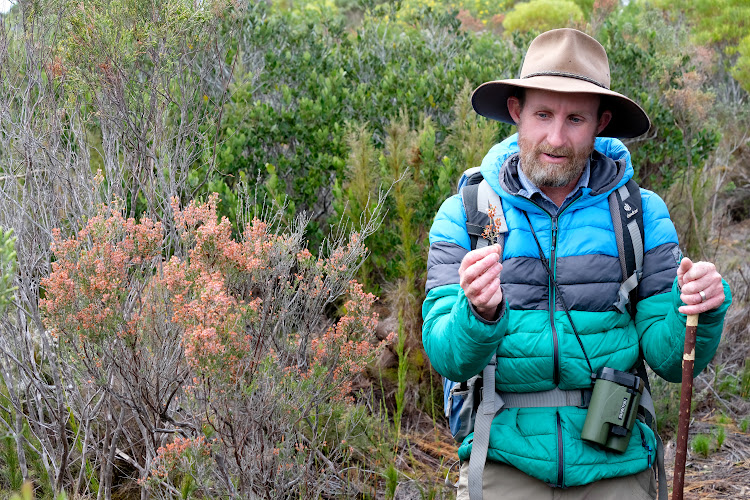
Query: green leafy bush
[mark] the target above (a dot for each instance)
(543, 15)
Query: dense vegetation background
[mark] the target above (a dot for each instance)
(162, 341)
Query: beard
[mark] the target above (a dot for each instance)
(543, 174)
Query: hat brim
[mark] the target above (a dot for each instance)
(628, 119)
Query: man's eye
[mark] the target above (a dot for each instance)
(541, 115)
(576, 119)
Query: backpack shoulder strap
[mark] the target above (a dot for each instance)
(490, 405)
(626, 208)
(478, 196)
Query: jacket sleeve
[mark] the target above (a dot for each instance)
(457, 340)
(660, 325)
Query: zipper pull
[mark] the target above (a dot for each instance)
(554, 232)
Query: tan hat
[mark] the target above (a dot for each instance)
(564, 60)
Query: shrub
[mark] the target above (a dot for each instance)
(225, 357)
(543, 15)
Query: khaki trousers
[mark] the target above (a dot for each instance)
(505, 482)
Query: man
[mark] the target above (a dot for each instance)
(502, 301)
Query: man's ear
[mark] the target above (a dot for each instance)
(514, 108)
(603, 121)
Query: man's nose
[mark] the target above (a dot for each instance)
(556, 134)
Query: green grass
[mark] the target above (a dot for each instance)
(701, 445)
(744, 423)
(721, 436)
(391, 481)
(745, 380)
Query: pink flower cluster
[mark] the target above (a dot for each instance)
(345, 347)
(90, 291)
(215, 319)
(173, 455)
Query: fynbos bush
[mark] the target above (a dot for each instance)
(227, 373)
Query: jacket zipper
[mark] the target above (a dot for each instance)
(560, 462)
(556, 353)
(553, 306)
(553, 297)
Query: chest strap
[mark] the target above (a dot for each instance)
(543, 399)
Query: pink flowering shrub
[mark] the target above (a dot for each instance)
(222, 363)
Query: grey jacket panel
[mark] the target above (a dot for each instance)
(588, 282)
(592, 297)
(525, 283)
(659, 265)
(596, 268)
(526, 297)
(443, 262)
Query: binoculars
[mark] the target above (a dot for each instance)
(613, 409)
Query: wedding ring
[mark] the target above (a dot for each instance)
(703, 296)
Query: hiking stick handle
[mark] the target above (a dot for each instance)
(686, 397)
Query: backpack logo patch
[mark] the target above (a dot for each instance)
(629, 210)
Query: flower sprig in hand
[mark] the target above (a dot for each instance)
(494, 229)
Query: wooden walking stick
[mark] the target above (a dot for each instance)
(686, 397)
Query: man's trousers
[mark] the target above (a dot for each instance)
(508, 483)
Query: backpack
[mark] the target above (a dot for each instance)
(470, 406)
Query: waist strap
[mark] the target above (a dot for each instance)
(553, 397)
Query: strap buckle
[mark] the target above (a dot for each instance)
(585, 398)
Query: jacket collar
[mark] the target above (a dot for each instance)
(605, 175)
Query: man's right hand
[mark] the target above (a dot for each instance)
(480, 280)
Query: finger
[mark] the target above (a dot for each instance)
(491, 299)
(483, 296)
(697, 271)
(476, 288)
(476, 255)
(685, 265)
(702, 276)
(691, 293)
(696, 298)
(710, 304)
(709, 281)
(478, 268)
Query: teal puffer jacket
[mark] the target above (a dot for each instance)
(533, 339)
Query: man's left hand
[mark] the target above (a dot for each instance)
(701, 287)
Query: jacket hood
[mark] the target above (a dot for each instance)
(611, 167)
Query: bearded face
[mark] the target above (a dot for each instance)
(556, 133)
(544, 174)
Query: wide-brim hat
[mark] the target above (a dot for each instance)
(564, 60)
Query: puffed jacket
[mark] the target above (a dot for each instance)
(532, 337)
